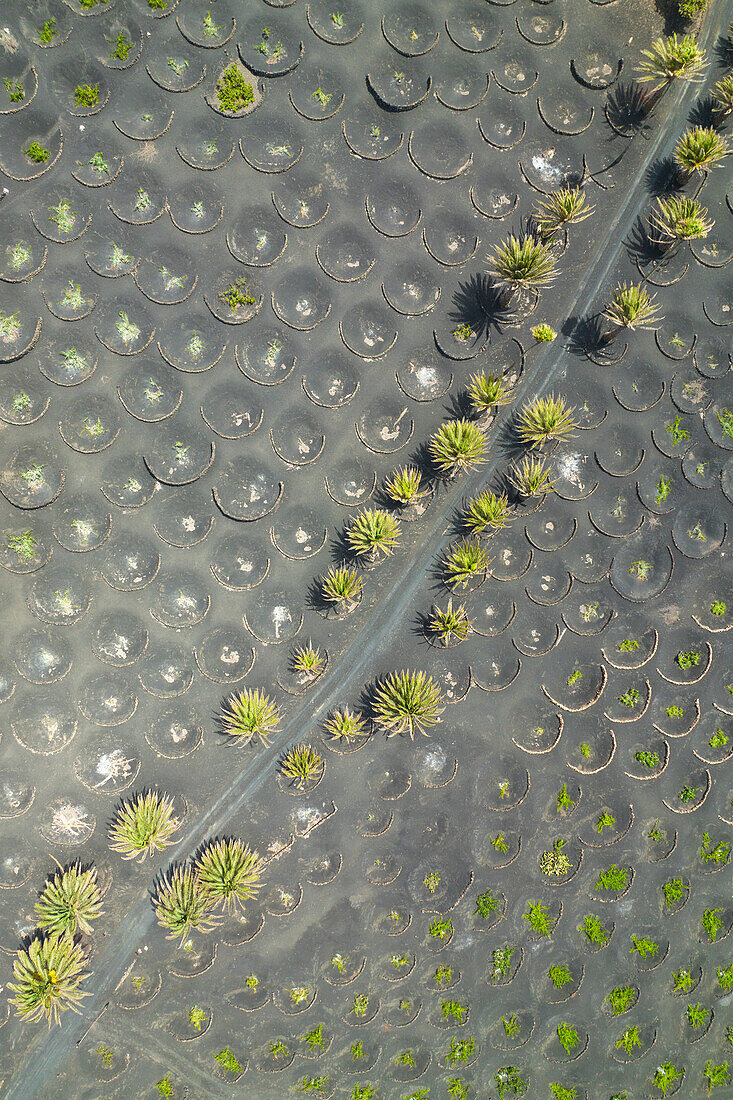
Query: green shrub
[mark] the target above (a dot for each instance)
(233, 91)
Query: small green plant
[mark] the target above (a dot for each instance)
(487, 391)
(716, 1075)
(322, 98)
(14, 88)
(315, 1038)
(233, 91)
(165, 1087)
(628, 645)
(621, 999)
(122, 48)
(674, 891)
(585, 750)
(688, 660)
(443, 975)
(568, 1037)
(711, 923)
(143, 825)
(196, 1017)
(23, 545)
(555, 862)
(487, 512)
(432, 881)
(531, 477)
(647, 758)
(700, 149)
(502, 961)
(449, 625)
(499, 843)
(613, 878)
(523, 263)
(127, 330)
(344, 724)
(457, 1088)
(228, 873)
(696, 1015)
(718, 607)
(105, 1055)
(630, 697)
(512, 1026)
(594, 931)
(566, 205)
(559, 975)
(341, 586)
(460, 1050)
(308, 661)
(48, 32)
(725, 977)
(442, 929)
(227, 1061)
(562, 1092)
(683, 981)
(86, 95)
(666, 1077)
(37, 153)
(644, 947)
(180, 905)
(537, 917)
(543, 333)
(564, 803)
(407, 701)
(509, 1082)
(404, 486)
(628, 1040)
(688, 793)
(545, 419)
(453, 1010)
(210, 28)
(373, 533)
(605, 821)
(674, 711)
(406, 1058)
(302, 764)
(313, 1084)
(486, 904)
(248, 714)
(338, 962)
(235, 295)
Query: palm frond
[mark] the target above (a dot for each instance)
(564, 206)
(680, 219)
(700, 149)
(671, 59)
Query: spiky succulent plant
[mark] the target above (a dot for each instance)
(563, 206)
(487, 511)
(463, 562)
(407, 701)
(680, 219)
(341, 585)
(308, 661)
(700, 149)
(143, 825)
(248, 714)
(404, 486)
(302, 764)
(449, 624)
(632, 307)
(344, 724)
(545, 419)
(70, 900)
(181, 906)
(531, 477)
(523, 263)
(487, 390)
(373, 533)
(458, 445)
(722, 93)
(228, 873)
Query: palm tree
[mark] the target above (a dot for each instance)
(405, 701)
(487, 510)
(680, 219)
(631, 307)
(523, 263)
(545, 419)
(671, 59)
(458, 445)
(531, 477)
(565, 205)
(700, 149)
(373, 533)
(47, 976)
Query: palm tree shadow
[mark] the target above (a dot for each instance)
(663, 178)
(628, 109)
(703, 112)
(481, 303)
(642, 247)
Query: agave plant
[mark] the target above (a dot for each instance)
(565, 205)
(680, 219)
(523, 263)
(543, 333)
(143, 825)
(544, 419)
(458, 445)
(632, 307)
(722, 93)
(700, 149)
(404, 486)
(248, 714)
(228, 873)
(344, 724)
(181, 906)
(671, 59)
(342, 586)
(487, 510)
(407, 701)
(373, 533)
(308, 661)
(464, 561)
(71, 899)
(486, 391)
(531, 477)
(48, 975)
(302, 764)
(450, 624)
